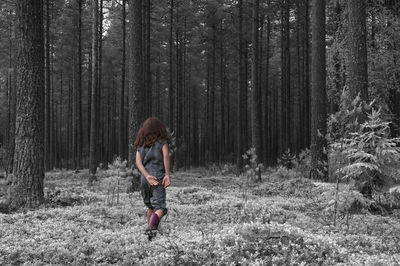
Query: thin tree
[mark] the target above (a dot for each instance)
(94, 101)
(135, 73)
(100, 94)
(47, 90)
(255, 87)
(79, 134)
(171, 72)
(148, 76)
(26, 188)
(11, 98)
(122, 96)
(318, 91)
(285, 77)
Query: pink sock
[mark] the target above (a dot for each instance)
(154, 221)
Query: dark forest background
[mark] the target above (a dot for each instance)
(224, 76)
(284, 117)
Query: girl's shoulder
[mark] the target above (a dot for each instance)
(161, 142)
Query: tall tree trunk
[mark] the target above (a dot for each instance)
(12, 94)
(285, 77)
(255, 87)
(338, 80)
(27, 182)
(135, 75)
(212, 126)
(47, 90)
(318, 92)
(222, 138)
(89, 107)
(94, 102)
(121, 137)
(267, 99)
(79, 88)
(61, 137)
(148, 80)
(241, 94)
(171, 72)
(306, 88)
(157, 110)
(69, 123)
(357, 48)
(100, 98)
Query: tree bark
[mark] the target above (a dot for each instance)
(148, 76)
(241, 127)
(47, 90)
(171, 72)
(11, 95)
(318, 93)
(357, 49)
(255, 87)
(121, 132)
(135, 75)
(94, 96)
(285, 77)
(26, 187)
(79, 90)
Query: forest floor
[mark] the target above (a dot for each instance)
(214, 219)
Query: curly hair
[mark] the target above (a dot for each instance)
(151, 131)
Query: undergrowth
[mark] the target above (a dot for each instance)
(212, 220)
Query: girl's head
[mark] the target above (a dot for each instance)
(151, 131)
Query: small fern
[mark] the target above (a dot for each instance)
(252, 167)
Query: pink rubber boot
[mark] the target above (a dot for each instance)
(154, 221)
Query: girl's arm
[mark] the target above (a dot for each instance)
(151, 179)
(166, 181)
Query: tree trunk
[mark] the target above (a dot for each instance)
(171, 72)
(357, 48)
(241, 94)
(100, 98)
(121, 132)
(89, 107)
(79, 88)
(255, 87)
(285, 77)
(26, 187)
(318, 92)
(267, 99)
(47, 90)
(135, 77)
(148, 80)
(11, 98)
(94, 96)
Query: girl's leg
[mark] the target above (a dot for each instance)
(160, 213)
(155, 219)
(149, 213)
(158, 202)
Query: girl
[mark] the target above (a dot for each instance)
(152, 160)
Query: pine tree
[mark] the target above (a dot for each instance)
(318, 92)
(26, 187)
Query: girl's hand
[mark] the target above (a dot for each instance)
(152, 180)
(166, 182)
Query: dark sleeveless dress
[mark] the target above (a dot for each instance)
(152, 159)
